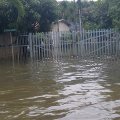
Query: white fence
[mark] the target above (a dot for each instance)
(85, 44)
(99, 44)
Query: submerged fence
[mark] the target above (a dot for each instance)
(58, 45)
(85, 44)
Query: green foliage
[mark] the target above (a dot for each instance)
(114, 11)
(17, 4)
(95, 14)
(67, 11)
(23, 14)
(48, 12)
(11, 12)
(99, 15)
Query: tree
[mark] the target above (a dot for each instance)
(42, 12)
(17, 4)
(114, 12)
(11, 12)
(25, 14)
(95, 14)
(48, 12)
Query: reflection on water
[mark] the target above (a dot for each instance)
(67, 90)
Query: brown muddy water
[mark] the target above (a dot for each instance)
(66, 90)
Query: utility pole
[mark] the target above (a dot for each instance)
(79, 7)
(75, 14)
(58, 19)
(80, 15)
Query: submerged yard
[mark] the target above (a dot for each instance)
(59, 60)
(65, 90)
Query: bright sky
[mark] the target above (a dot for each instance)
(76, 0)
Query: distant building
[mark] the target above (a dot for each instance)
(60, 26)
(64, 26)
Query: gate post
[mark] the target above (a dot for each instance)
(11, 39)
(118, 40)
(30, 45)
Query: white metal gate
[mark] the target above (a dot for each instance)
(85, 44)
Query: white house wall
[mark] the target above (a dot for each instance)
(60, 27)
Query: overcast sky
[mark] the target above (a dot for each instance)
(76, 0)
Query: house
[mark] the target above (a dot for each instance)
(64, 26)
(60, 26)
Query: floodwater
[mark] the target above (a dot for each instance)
(66, 90)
